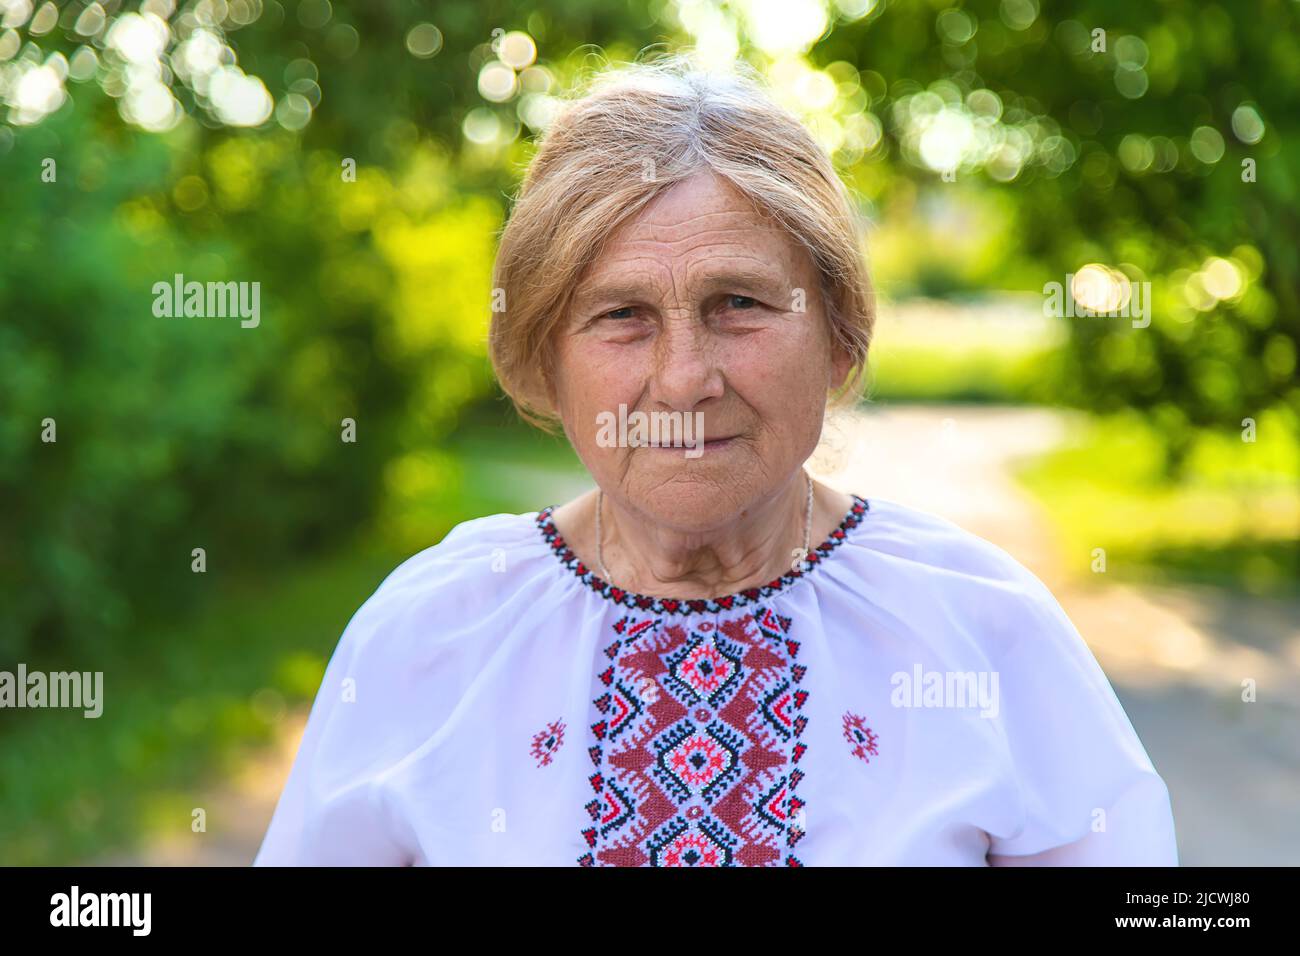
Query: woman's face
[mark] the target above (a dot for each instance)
(701, 308)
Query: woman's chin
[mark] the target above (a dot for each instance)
(695, 500)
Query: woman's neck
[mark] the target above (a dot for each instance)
(761, 544)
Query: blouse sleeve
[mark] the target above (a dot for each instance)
(331, 811)
(1089, 793)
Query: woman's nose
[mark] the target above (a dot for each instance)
(687, 369)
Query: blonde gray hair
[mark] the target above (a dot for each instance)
(631, 134)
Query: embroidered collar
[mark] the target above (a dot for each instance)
(695, 605)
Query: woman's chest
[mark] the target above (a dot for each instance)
(729, 742)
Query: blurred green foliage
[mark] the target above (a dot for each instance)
(177, 433)
(1155, 187)
(189, 696)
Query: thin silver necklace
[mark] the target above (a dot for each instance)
(600, 541)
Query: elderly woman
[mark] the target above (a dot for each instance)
(710, 659)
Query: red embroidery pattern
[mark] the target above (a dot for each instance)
(860, 737)
(547, 742)
(697, 750)
(685, 606)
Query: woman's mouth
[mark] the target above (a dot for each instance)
(694, 449)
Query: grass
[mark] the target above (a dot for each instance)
(999, 351)
(1232, 520)
(191, 696)
(975, 376)
(195, 695)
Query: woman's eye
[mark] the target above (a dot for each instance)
(623, 313)
(741, 301)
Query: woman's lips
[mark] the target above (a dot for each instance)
(710, 444)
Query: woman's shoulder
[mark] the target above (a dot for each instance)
(439, 592)
(469, 546)
(930, 540)
(929, 569)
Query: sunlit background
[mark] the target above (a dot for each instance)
(356, 159)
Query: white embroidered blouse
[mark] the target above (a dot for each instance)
(911, 696)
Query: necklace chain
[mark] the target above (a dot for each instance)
(600, 542)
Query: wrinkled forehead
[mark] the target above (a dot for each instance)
(702, 201)
(700, 228)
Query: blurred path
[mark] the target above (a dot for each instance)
(238, 811)
(1176, 656)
